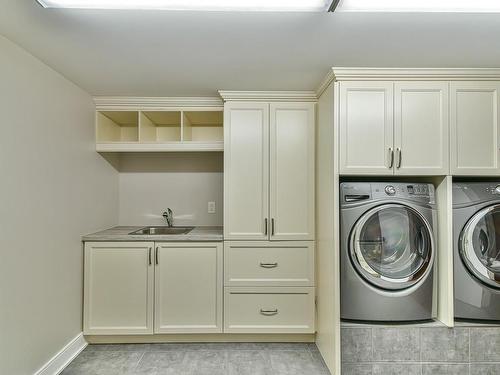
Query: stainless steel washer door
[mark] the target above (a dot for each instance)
(479, 245)
(391, 246)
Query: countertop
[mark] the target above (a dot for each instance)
(121, 233)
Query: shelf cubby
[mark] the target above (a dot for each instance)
(160, 126)
(117, 126)
(203, 126)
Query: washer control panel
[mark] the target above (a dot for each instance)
(418, 189)
(356, 192)
(493, 189)
(466, 193)
(413, 191)
(406, 190)
(390, 190)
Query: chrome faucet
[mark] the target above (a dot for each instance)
(168, 217)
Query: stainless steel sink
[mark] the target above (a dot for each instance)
(156, 231)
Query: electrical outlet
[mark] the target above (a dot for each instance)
(211, 207)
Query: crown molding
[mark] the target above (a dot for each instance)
(352, 74)
(268, 96)
(154, 103)
(330, 77)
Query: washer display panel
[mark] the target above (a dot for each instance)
(391, 246)
(479, 245)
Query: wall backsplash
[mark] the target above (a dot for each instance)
(185, 182)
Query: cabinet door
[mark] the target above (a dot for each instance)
(292, 171)
(474, 128)
(188, 287)
(421, 128)
(118, 288)
(366, 128)
(246, 171)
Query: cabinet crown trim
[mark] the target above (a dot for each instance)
(153, 103)
(407, 74)
(269, 96)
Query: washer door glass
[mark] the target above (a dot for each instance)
(479, 245)
(391, 246)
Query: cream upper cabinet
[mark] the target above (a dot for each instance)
(366, 128)
(118, 288)
(246, 170)
(474, 114)
(391, 128)
(292, 171)
(188, 287)
(269, 171)
(421, 128)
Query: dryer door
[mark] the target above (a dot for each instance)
(479, 245)
(391, 246)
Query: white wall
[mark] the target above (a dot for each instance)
(54, 187)
(185, 182)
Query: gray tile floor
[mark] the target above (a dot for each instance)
(200, 359)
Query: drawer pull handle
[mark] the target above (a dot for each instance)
(269, 265)
(269, 312)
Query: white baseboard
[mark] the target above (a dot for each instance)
(62, 359)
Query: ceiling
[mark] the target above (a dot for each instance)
(173, 53)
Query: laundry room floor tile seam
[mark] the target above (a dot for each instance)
(469, 348)
(139, 361)
(373, 345)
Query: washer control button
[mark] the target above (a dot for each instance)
(390, 190)
(497, 190)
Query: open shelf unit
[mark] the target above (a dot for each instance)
(202, 126)
(159, 124)
(117, 126)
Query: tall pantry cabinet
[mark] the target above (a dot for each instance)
(269, 197)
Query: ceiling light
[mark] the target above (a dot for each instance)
(213, 5)
(465, 6)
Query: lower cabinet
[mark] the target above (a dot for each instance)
(141, 288)
(269, 287)
(269, 310)
(188, 288)
(269, 263)
(146, 287)
(118, 288)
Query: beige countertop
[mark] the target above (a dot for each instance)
(122, 233)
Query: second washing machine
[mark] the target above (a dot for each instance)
(387, 251)
(476, 234)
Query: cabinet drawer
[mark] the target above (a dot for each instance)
(269, 264)
(269, 310)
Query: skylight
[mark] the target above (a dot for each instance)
(464, 6)
(210, 5)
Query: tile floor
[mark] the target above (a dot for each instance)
(200, 359)
(401, 350)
